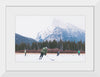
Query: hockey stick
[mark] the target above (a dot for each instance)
(51, 59)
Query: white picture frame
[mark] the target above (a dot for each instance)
(12, 12)
(3, 66)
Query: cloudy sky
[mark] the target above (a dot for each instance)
(29, 26)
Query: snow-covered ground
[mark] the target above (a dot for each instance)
(50, 58)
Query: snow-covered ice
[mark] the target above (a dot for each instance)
(50, 58)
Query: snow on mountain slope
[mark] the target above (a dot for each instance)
(59, 30)
(44, 33)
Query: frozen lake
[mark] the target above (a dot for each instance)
(50, 58)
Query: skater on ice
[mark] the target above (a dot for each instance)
(25, 52)
(78, 52)
(58, 53)
(43, 52)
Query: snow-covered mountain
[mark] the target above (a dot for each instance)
(59, 30)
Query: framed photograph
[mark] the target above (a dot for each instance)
(49, 39)
(52, 39)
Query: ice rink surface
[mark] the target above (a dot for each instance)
(50, 58)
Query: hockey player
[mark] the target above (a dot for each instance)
(78, 52)
(58, 53)
(25, 52)
(43, 52)
(61, 49)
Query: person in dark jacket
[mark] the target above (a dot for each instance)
(58, 53)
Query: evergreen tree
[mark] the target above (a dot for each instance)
(16, 47)
(54, 44)
(66, 45)
(28, 46)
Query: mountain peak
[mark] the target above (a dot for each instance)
(58, 30)
(22, 39)
(67, 26)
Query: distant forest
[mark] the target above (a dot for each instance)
(65, 45)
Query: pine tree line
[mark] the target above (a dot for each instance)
(66, 45)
